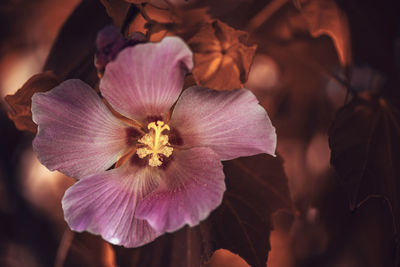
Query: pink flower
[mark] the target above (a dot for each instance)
(173, 175)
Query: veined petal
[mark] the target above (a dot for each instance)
(193, 186)
(145, 80)
(232, 123)
(105, 204)
(77, 134)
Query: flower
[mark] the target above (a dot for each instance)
(110, 42)
(167, 149)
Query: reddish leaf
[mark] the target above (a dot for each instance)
(89, 250)
(222, 56)
(365, 237)
(70, 57)
(189, 20)
(324, 17)
(137, 2)
(365, 142)
(72, 54)
(117, 10)
(20, 102)
(164, 3)
(256, 188)
(182, 20)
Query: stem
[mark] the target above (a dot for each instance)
(130, 15)
(265, 14)
(63, 248)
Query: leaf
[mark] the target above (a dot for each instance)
(72, 54)
(137, 2)
(256, 188)
(222, 56)
(324, 17)
(189, 19)
(89, 250)
(164, 4)
(365, 144)
(365, 237)
(20, 102)
(181, 20)
(117, 10)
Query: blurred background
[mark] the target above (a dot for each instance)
(296, 77)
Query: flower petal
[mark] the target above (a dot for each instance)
(193, 187)
(145, 80)
(232, 123)
(77, 134)
(105, 204)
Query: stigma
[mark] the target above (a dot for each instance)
(156, 143)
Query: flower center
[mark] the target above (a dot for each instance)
(156, 143)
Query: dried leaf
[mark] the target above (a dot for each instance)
(182, 20)
(365, 141)
(137, 1)
(164, 4)
(117, 10)
(324, 17)
(222, 56)
(189, 20)
(256, 188)
(20, 102)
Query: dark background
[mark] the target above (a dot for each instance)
(293, 76)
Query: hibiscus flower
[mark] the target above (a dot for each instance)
(156, 166)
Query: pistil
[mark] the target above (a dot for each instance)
(156, 143)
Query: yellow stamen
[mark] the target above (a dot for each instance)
(156, 143)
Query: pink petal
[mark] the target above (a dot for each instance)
(193, 187)
(232, 123)
(105, 204)
(77, 134)
(145, 80)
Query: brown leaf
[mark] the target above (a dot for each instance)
(182, 20)
(256, 188)
(137, 2)
(222, 56)
(189, 20)
(169, 4)
(70, 57)
(364, 238)
(365, 141)
(72, 54)
(117, 10)
(324, 17)
(89, 250)
(20, 102)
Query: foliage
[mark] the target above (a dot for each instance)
(316, 46)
